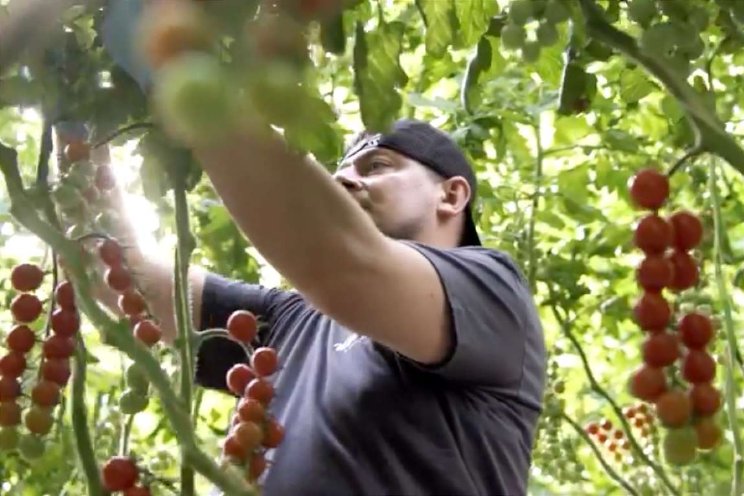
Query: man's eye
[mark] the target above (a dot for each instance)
(377, 165)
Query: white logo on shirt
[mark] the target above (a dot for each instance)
(348, 342)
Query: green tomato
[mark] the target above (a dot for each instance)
(136, 379)
(531, 51)
(132, 402)
(642, 11)
(194, 99)
(520, 11)
(9, 438)
(556, 12)
(680, 446)
(66, 196)
(547, 34)
(513, 36)
(31, 447)
(698, 17)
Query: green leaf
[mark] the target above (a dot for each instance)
(634, 85)
(621, 140)
(573, 183)
(378, 74)
(473, 17)
(438, 16)
(568, 130)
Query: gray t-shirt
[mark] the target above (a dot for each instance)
(361, 419)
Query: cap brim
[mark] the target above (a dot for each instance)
(470, 234)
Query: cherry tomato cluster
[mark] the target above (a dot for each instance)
(674, 353)
(613, 439)
(45, 389)
(92, 183)
(253, 430)
(121, 474)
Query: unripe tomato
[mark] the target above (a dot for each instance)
(39, 420)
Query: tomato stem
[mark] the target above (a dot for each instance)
(532, 253)
(728, 324)
(183, 307)
(79, 416)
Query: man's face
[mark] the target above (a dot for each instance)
(398, 193)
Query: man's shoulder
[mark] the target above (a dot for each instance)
(484, 258)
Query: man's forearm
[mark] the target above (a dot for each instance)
(302, 221)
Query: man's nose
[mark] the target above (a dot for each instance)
(348, 182)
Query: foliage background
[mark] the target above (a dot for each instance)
(553, 194)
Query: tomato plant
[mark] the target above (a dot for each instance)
(605, 134)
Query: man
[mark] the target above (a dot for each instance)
(412, 357)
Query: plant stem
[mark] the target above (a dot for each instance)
(115, 134)
(610, 471)
(115, 333)
(596, 387)
(713, 135)
(182, 305)
(728, 324)
(80, 427)
(532, 254)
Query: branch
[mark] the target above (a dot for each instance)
(42, 169)
(535, 204)
(596, 387)
(610, 471)
(714, 137)
(731, 392)
(131, 127)
(693, 152)
(80, 428)
(182, 304)
(117, 334)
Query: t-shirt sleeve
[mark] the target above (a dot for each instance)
(220, 298)
(492, 314)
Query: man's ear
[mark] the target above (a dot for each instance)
(455, 194)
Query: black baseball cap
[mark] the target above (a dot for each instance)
(432, 148)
